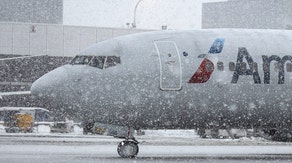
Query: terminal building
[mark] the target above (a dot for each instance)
(252, 14)
(32, 11)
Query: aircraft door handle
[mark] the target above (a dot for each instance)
(170, 62)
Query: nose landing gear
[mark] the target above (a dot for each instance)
(129, 147)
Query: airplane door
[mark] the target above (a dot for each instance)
(170, 66)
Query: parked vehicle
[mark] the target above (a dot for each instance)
(22, 119)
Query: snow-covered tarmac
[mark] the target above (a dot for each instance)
(155, 146)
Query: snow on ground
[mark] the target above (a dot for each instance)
(94, 148)
(151, 137)
(154, 146)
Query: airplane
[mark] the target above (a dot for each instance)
(174, 80)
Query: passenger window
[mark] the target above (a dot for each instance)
(112, 61)
(220, 66)
(276, 67)
(231, 66)
(289, 67)
(255, 67)
(97, 62)
(266, 67)
(243, 67)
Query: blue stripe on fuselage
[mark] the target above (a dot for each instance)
(217, 46)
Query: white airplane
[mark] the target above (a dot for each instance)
(173, 79)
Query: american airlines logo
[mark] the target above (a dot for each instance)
(206, 68)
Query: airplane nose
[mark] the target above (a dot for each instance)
(49, 84)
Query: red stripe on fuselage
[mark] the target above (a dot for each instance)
(203, 73)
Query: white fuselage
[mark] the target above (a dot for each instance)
(153, 86)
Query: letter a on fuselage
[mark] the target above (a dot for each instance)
(241, 69)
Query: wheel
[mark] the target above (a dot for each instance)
(128, 149)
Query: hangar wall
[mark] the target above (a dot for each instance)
(52, 40)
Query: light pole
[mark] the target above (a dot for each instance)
(134, 21)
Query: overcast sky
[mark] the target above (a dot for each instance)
(151, 14)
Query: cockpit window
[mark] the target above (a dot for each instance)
(101, 62)
(98, 62)
(81, 60)
(112, 61)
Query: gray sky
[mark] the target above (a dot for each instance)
(151, 14)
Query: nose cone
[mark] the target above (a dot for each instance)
(51, 84)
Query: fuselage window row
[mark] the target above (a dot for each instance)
(101, 62)
(232, 66)
(243, 66)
